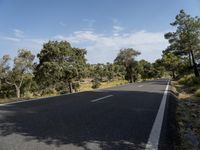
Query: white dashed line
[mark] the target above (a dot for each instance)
(154, 137)
(98, 99)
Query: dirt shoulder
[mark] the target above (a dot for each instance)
(187, 116)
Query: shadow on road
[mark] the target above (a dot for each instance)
(123, 121)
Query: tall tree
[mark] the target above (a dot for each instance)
(21, 70)
(147, 70)
(185, 40)
(59, 62)
(171, 63)
(159, 68)
(126, 57)
(109, 71)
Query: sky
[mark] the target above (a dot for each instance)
(102, 27)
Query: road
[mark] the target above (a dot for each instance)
(119, 118)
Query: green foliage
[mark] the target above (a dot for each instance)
(96, 84)
(126, 58)
(172, 63)
(28, 94)
(76, 86)
(59, 62)
(185, 40)
(146, 69)
(20, 73)
(197, 93)
(49, 91)
(189, 80)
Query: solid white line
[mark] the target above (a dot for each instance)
(98, 99)
(140, 85)
(154, 137)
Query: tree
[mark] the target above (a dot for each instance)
(185, 40)
(146, 69)
(159, 68)
(109, 71)
(99, 72)
(171, 63)
(132, 71)
(126, 57)
(21, 70)
(4, 67)
(59, 62)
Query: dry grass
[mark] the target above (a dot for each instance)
(187, 115)
(2, 101)
(88, 86)
(83, 87)
(197, 93)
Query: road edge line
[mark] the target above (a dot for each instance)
(154, 136)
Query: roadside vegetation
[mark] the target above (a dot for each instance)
(181, 60)
(188, 111)
(61, 68)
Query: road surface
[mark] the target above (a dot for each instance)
(119, 118)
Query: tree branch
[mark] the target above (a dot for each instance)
(9, 82)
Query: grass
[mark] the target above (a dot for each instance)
(83, 87)
(6, 100)
(113, 83)
(197, 93)
(88, 86)
(188, 111)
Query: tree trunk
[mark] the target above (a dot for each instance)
(196, 72)
(131, 79)
(70, 87)
(173, 75)
(190, 62)
(17, 91)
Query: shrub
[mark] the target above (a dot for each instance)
(96, 84)
(28, 95)
(49, 91)
(76, 86)
(197, 93)
(189, 80)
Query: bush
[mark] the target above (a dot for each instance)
(76, 86)
(49, 91)
(96, 84)
(189, 80)
(28, 95)
(197, 93)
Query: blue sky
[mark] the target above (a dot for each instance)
(101, 26)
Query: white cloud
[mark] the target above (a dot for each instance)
(89, 24)
(62, 24)
(12, 39)
(117, 30)
(85, 36)
(18, 33)
(104, 48)
(36, 41)
(79, 37)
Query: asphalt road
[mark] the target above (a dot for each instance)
(119, 118)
